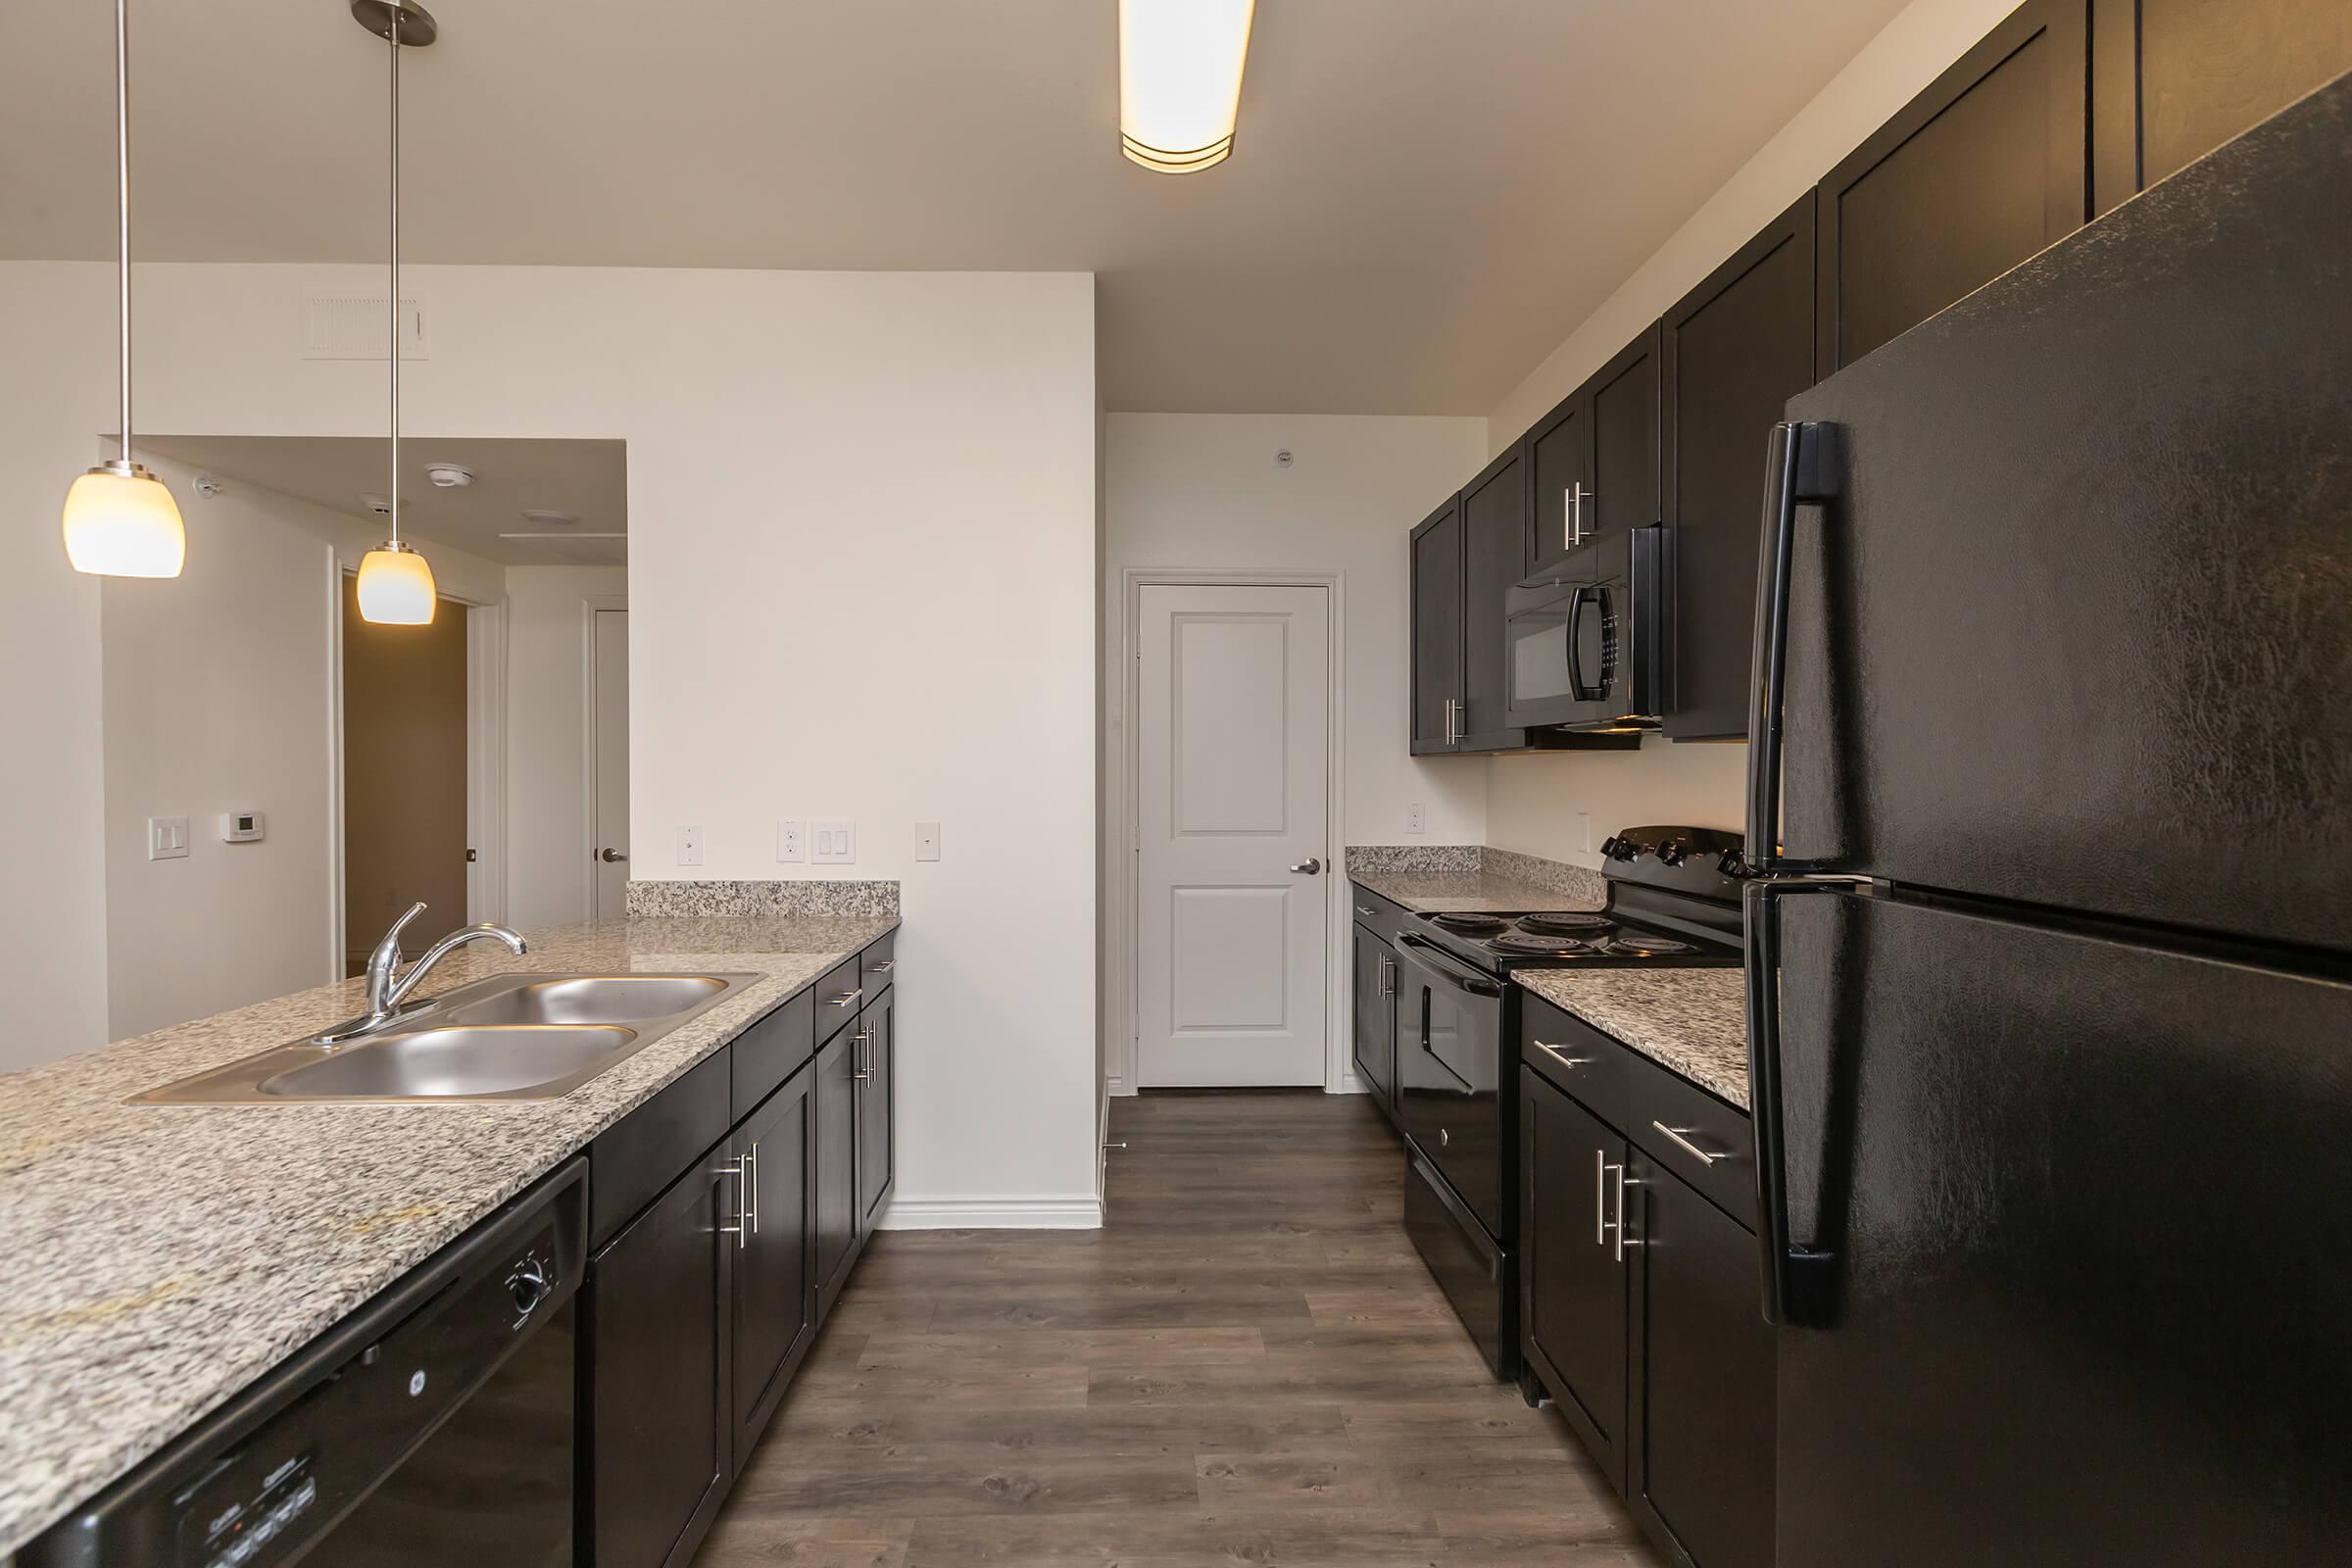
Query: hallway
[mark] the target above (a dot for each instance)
(1248, 1364)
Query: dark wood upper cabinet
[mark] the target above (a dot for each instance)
(1626, 473)
(1735, 349)
(1494, 544)
(1977, 172)
(2173, 79)
(1560, 514)
(1436, 627)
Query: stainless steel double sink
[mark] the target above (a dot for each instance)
(520, 1036)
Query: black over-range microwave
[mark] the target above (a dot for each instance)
(1592, 655)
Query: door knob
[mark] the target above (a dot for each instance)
(1307, 868)
(611, 857)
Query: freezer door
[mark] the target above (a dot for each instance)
(2080, 1242)
(2076, 627)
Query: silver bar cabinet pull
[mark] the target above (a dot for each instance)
(845, 998)
(1687, 1146)
(740, 1230)
(864, 1072)
(886, 965)
(1560, 1054)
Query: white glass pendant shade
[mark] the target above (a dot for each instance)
(396, 587)
(1180, 80)
(120, 521)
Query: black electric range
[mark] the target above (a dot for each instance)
(1673, 902)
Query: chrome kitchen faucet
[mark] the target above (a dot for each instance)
(388, 988)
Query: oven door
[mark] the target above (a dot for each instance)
(1449, 1073)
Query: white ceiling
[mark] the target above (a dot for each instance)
(1425, 197)
(586, 479)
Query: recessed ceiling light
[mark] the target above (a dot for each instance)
(1180, 80)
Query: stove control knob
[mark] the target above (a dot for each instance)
(528, 1286)
(1730, 864)
(1673, 852)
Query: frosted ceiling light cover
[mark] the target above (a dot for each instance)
(124, 525)
(396, 587)
(1180, 80)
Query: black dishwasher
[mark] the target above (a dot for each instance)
(433, 1426)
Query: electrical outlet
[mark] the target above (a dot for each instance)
(926, 841)
(791, 849)
(1583, 831)
(166, 838)
(832, 842)
(690, 846)
(1416, 818)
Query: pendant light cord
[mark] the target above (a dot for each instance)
(392, 21)
(123, 198)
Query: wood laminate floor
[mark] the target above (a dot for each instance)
(1248, 1364)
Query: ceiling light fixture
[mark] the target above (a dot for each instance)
(121, 520)
(396, 586)
(1180, 80)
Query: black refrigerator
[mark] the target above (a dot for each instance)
(2050, 976)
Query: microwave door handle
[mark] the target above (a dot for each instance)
(1577, 691)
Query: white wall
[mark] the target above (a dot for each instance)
(862, 583)
(1534, 799)
(1201, 492)
(547, 689)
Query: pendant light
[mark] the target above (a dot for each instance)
(120, 521)
(1180, 80)
(396, 586)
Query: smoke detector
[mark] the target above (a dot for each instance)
(548, 520)
(448, 476)
(207, 486)
(381, 506)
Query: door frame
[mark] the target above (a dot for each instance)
(1122, 888)
(590, 605)
(485, 759)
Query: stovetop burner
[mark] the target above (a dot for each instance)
(1469, 922)
(1569, 923)
(1536, 942)
(1644, 946)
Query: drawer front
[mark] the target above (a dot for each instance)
(878, 965)
(769, 1052)
(1385, 916)
(1575, 1057)
(837, 995)
(1465, 1262)
(1705, 1142)
(636, 1157)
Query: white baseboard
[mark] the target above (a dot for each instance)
(1013, 1212)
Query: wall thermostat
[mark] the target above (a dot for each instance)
(242, 828)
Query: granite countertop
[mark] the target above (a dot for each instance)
(1439, 878)
(1693, 1022)
(160, 1257)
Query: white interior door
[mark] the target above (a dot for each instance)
(1232, 733)
(610, 764)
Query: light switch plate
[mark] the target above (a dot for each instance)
(792, 845)
(166, 838)
(1583, 831)
(690, 846)
(926, 841)
(1416, 817)
(832, 842)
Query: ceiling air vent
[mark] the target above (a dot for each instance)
(346, 325)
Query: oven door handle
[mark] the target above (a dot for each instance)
(1434, 961)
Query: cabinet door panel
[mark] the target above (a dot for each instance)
(1494, 544)
(1736, 350)
(835, 1091)
(1572, 1282)
(1702, 1461)
(1436, 601)
(660, 1374)
(1375, 1019)
(2209, 72)
(1977, 172)
(1625, 448)
(774, 1287)
(877, 1108)
(1562, 511)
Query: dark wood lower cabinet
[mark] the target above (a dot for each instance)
(1701, 1471)
(773, 1299)
(658, 1377)
(1375, 1023)
(699, 1309)
(1572, 1274)
(876, 1119)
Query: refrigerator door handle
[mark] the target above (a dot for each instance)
(1798, 467)
(1796, 1277)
